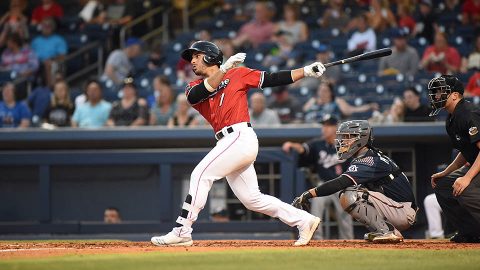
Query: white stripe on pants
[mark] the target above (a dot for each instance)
(233, 157)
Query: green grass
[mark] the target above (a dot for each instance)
(292, 259)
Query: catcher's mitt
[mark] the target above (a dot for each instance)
(303, 201)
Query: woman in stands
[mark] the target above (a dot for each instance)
(297, 30)
(162, 107)
(18, 57)
(325, 102)
(61, 107)
(182, 117)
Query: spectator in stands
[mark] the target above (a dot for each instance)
(12, 113)
(118, 65)
(130, 110)
(404, 59)
(259, 30)
(259, 113)
(162, 108)
(38, 100)
(95, 111)
(14, 22)
(156, 58)
(18, 57)
(121, 12)
(415, 111)
(203, 34)
(332, 75)
(320, 153)
(182, 116)
(405, 19)
(226, 46)
(380, 17)
(282, 54)
(325, 103)
(47, 9)
(426, 21)
(473, 86)
(335, 17)
(440, 57)
(297, 30)
(394, 114)
(472, 62)
(50, 49)
(93, 12)
(288, 109)
(471, 12)
(61, 107)
(111, 215)
(324, 54)
(363, 39)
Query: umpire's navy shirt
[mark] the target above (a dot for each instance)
(463, 128)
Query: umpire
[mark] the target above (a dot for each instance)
(458, 186)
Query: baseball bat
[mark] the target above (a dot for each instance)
(364, 56)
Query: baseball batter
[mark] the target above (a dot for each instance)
(221, 97)
(375, 191)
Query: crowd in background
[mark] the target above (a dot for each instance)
(277, 26)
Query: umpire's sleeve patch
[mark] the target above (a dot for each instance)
(473, 131)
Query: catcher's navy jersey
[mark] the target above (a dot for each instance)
(325, 158)
(378, 172)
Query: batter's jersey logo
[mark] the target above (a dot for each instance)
(223, 84)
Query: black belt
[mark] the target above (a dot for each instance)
(219, 135)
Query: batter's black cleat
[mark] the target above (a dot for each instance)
(461, 238)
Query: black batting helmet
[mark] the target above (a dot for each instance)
(213, 54)
(440, 88)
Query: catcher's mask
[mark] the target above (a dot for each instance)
(439, 89)
(351, 137)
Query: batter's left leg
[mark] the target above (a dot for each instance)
(244, 185)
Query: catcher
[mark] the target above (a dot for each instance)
(375, 191)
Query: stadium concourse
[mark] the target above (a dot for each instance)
(60, 58)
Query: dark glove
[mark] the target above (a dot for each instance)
(303, 201)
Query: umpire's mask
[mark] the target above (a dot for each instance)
(438, 92)
(439, 89)
(351, 137)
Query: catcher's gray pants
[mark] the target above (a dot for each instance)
(344, 220)
(377, 211)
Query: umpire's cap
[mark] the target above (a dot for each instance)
(213, 54)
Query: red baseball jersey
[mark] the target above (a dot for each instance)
(228, 104)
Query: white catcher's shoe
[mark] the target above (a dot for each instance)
(171, 239)
(306, 234)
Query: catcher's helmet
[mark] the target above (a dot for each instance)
(213, 55)
(439, 89)
(351, 137)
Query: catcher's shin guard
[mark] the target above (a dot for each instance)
(355, 202)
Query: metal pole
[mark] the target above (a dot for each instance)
(186, 27)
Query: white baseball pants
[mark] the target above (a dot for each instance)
(233, 158)
(434, 219)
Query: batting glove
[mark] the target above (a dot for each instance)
(311, 71)
(233, 61)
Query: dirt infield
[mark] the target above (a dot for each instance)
(11, 249)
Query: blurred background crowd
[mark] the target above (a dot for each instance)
(91, 64)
